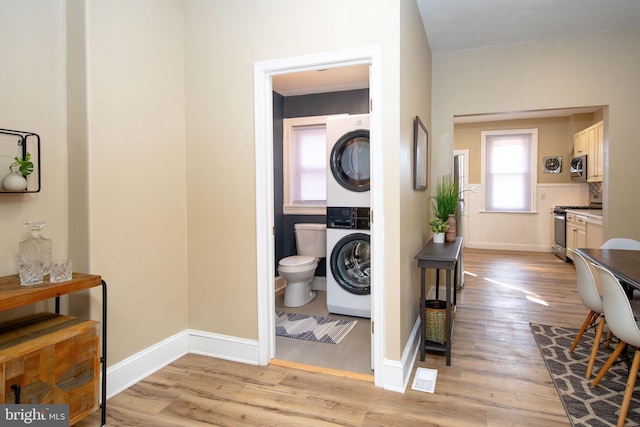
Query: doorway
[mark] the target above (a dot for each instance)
(304, 136)
(263, 73)
(461, 177)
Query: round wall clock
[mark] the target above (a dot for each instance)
(552, 164)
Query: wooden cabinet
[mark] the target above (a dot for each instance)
(67, 356)
(576, 232)
(590, 141)
(48, 358)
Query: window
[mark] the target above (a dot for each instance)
(508, 170)
(305, 165)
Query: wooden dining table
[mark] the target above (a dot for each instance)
(623, 263)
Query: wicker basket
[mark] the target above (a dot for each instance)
(435, 320)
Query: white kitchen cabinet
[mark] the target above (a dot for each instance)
(595, 156)
(580, 143)
(590, 141)
(576, 232)
(595, 235)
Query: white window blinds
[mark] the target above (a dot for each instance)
(509, 170)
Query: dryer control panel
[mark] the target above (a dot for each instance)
(348, 218)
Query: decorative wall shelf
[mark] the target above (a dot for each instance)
(15, 143)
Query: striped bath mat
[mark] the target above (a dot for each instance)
(312, 328)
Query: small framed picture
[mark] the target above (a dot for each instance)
(420, 158)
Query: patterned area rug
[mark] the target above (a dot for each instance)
(312, 328)
(585, 405)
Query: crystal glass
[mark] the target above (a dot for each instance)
(35, 255)
(60, 271)
(30, 272)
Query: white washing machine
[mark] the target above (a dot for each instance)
(348, 171)
(348, 261)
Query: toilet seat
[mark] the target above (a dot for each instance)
(297, 261)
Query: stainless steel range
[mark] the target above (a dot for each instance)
(560, 227)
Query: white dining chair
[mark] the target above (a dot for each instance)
(627, 244)
(621, 243)
(591, 298)
(621, 321)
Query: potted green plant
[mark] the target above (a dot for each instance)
(446, 203)
(439, 227)
(16, 181)
(446, 198)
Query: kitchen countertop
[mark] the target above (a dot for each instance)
(593, 213)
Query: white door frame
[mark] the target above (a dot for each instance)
(465, 174)
(265, 256)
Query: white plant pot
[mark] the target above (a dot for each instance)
(14, 182)
(438, 237)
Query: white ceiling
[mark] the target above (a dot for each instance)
(330, 80)
(468, 24)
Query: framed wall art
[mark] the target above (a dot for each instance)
(420, 157)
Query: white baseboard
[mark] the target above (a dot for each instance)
(129, 371)
(224, 347)
(508, 246)
(124, 374)
(319, 283)
(397, 373)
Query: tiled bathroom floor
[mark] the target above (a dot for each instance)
(352, 354)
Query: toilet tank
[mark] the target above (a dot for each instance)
(311, 239)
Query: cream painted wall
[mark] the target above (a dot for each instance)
(161, 111)
(32, 83)
(595, 69)
(137, 168)
(88, 303)
(555, 138)
(415, 100)
(77, 135)
(136, 235)
(224, 40)
(531, 232)
(221, 194)
(518, 231)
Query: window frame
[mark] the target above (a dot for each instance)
(533, 133)
(289, 206)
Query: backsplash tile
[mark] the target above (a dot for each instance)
(595, 191)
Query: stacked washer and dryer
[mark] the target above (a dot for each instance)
(348, 208)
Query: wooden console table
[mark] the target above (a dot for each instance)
(438, 256)
(13, 295)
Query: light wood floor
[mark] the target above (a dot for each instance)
(352, 354)
(497, 376)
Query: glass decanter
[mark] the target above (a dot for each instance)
(35, 255)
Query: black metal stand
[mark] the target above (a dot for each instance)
(103, 357)
(104, 354)
(438, 256)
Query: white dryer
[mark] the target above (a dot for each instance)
(348, 166)
(348, 261)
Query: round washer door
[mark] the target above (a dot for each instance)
(349, 160)
(351, 263)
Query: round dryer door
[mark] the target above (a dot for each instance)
(351, 263)
(350, 160)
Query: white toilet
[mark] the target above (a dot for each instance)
(298, 270)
